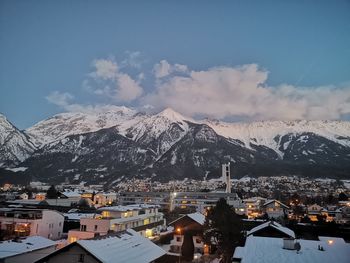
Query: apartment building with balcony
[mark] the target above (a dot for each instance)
(20, 222)
(143, 218)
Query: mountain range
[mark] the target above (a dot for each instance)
(120, 143)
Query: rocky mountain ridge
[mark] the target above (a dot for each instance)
(120, 143)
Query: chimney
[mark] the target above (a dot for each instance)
(289, 243)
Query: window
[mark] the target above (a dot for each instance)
(81, 258)
(178, 239)
(106, 214)
(60, 224)
(198, 240)
(83, 227)
(95, 229)
(146, 221)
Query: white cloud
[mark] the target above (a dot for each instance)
(220, 92)
(134, 59)
(242, 92)
(163, 69)
(105, 69)
(128, 89)
(63, 100)
(60, 99)
(109, 81)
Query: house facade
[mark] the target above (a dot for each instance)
(145, 219)
(19, 222)
(275, 209)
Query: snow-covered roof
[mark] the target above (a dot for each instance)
(198, 217)
(124, 208)
(11, 248)
(269, 249)
(77, 216)
(143, 206)
(274, 225)
(273, 200)
(128, 247)
(71, 194)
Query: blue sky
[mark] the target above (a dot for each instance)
(166, 53)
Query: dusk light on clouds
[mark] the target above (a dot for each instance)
(225, 91)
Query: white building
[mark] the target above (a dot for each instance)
(279, 250)
(28, 249)
(103, 199)
(31, 222)
(200, 201)
(253, 206)
(275, 209)
(145, 219)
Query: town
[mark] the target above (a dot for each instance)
(279, 218)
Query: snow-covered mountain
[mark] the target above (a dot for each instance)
(107, 145)
(15, 146)
(64, 124)
(270, 133)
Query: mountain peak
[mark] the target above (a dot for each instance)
(170, 114)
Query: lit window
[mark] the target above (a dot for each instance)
(106, 214)
(148, 233)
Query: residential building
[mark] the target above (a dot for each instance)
(127, 246)
(313, 211)
(158, 198)
(103, 199)
(253, 206)
(201, 201)
(29, 249)
(196, 201)
(271, 229)
(275, 209)
(17, 222)
(192, 225)
(143, 218)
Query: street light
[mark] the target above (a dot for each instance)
(178, 231)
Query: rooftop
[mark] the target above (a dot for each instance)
(127, 247)
(274, 225)
(197, 217)
(124, 208)
(268, 249)
(12, 248)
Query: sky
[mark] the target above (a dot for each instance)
(230, 60)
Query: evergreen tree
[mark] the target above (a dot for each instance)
(342, 197)
(224, 227)
(51, 193)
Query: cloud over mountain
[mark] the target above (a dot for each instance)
(242, 92)
(218, 92)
